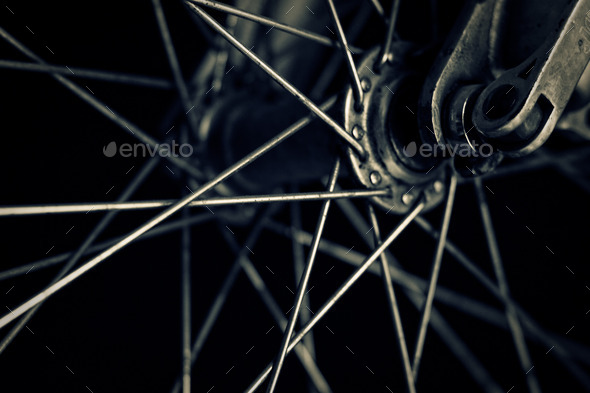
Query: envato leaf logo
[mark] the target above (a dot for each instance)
(411, 149)
(172, 149)
(448, 150)
(110, 150)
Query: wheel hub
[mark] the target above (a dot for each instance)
(386, 126)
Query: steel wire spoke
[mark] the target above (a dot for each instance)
(331, 66)
(223, 293)
(344, 287)
(303, 281)
(242, 163)
(354, 76)
(394, 308)
(384, 53)
(567, 168)
(221, 54)
(116, 118)
(408, 281)
(515, 329)
(378, 8)
(416, 284)
(185, 282)
(219, 201)
(318, 38)
(107, 76)
(98, 229)
(280, 80)
(175, 65)
(462, 352)
(538, 160)
(307, 361)
(445, 332)
(299, 267)
(436, 264)
(529, 321)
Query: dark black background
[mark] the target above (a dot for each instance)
(118, 327)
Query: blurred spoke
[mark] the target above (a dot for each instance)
(445, 332)
(116, 118)
(175, 66)
(393, 305)
(528, 321)
(98, 229)
(108, 76)
(344, 288)
(60, 258)
(378, 8)
(242, 163)
(515, 328)
(307, 361)
(299, 267)
(221, 297)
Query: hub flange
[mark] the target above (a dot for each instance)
(387, 128)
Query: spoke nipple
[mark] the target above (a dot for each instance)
(375, 178)
(358, 132)
(438, 186)
(365, 84)
(407, 199)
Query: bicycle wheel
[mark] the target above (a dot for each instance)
(144, 107)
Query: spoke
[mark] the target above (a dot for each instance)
(386, 48)
(419, 286)
(304, 280)
(462, 352)
(100, 227)
(378, 8)
(116, 118)
(436, 264)
(416, 284)
(51, 261)
(511, 317)
(345, 287)
(356, 81)
(222, 295)
(529, 321)
(301, 351)
(567, 168)
(538, 160)
(391, 298)
(175, 66)
(221, 54)
(280, 80)
(299, 267)
(108, 76)
(248, 159)
(449, 337)
(221, 201)
(185, 282)
(332, 66)
(318, 38)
